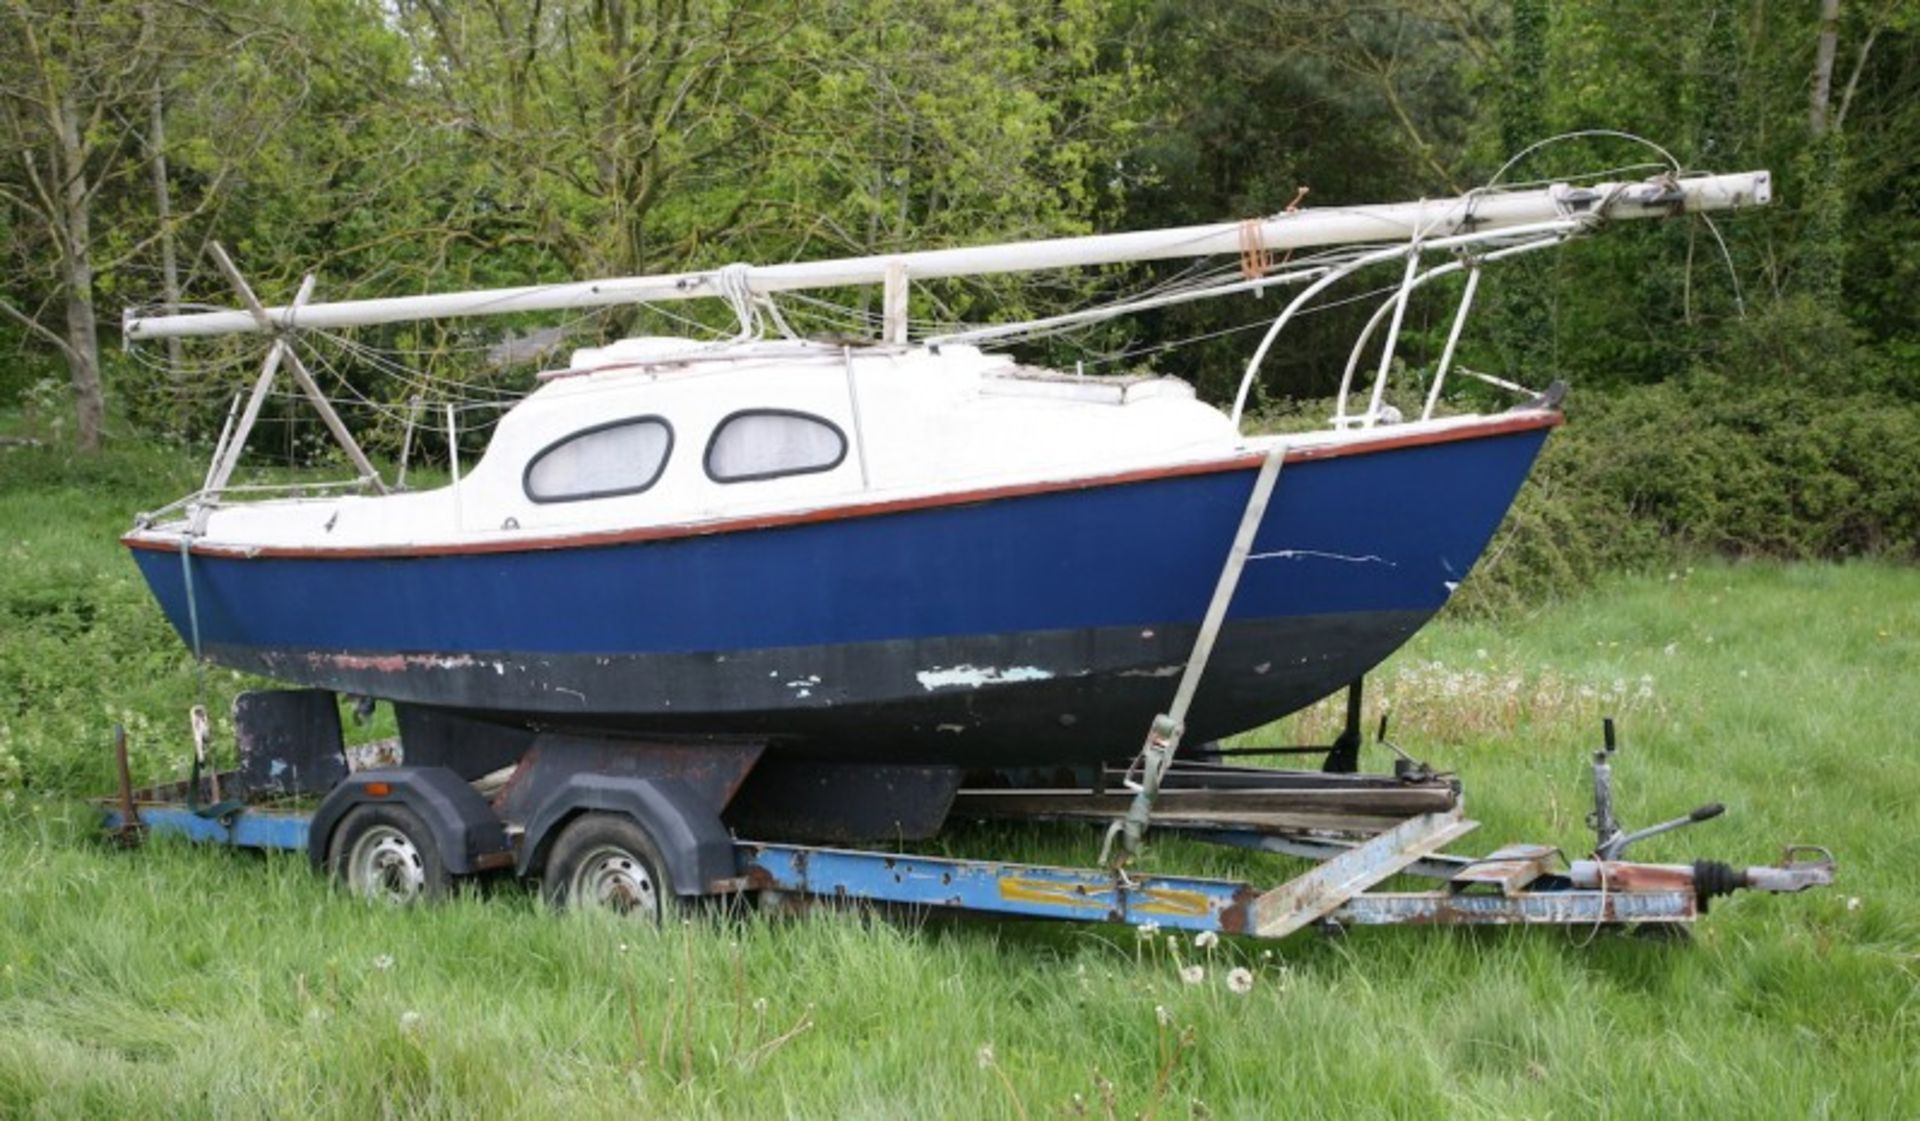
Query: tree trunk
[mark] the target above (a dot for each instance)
(83, 353)
(1823, 67)
(163, 211)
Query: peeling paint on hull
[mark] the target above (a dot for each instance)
(1103, 688)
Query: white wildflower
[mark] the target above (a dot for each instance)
(1206, 940)
(1240, 981)
(1853, 903)
(1193, 974)
(383, 962)
(1161, 1014)
(1146, 930)
(984, 1056)
(409, 1021)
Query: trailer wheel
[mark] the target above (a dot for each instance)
(387, 853)
(606, 861)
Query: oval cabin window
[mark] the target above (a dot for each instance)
(624, 457)
(770, 443)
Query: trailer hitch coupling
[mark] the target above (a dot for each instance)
(1800, 868)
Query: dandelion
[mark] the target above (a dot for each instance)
(984, 1056)
(1853, 903)
(622, 948)
(1206, 940)
(1266, 955)
(409, 1021)
(1161, 1014)
(1146, 930)
(1240, 981)
(383, 962)
(1173, 943)
(1193, 974)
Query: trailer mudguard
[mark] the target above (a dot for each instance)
(696, 847)
(464, 827)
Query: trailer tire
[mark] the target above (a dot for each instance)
(387, 853)
(606, 861)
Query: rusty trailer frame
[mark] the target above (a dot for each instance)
(1391, 826)
(1513, 886)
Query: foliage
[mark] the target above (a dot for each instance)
(1797, 456)
(392, 147)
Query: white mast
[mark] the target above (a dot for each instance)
(1345, 225)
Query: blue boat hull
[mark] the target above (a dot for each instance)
(1024, 628)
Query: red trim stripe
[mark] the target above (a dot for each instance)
(1498, 426)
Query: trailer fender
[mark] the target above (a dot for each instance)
(696, 847)
(469, 835)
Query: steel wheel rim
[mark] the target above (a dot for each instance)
(385, 864)
(612, 879)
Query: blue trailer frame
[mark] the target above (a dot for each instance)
(1477, 892)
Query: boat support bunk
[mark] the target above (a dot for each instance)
(408, 832)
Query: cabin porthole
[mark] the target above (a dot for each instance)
(620, 457)
(759, 444)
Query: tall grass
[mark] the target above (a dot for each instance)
(181, 981)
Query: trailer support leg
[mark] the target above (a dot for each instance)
(1344, 758)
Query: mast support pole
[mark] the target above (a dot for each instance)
(234, 441)
(893, 303)
(301, 375)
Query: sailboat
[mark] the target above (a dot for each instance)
(902, 551)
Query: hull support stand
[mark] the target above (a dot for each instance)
(1344, 758)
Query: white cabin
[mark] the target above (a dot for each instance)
(664, 432)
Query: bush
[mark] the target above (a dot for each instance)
(1739, 464)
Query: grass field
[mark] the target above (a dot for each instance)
(176, 982)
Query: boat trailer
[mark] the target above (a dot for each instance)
(628, 826)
